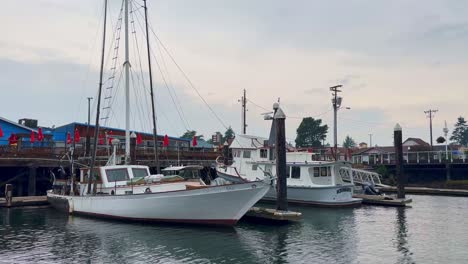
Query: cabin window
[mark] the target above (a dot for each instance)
(117, 175)
(263, 153)
(325, 171)
(254, 167)
(246, 154)
(189, 174)
(139, 173)
(295, 172)
(236, 153)
(288, 171)
(316, 171)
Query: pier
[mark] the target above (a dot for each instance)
(30, 169)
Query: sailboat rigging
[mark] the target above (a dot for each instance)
(131, 192)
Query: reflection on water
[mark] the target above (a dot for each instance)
(402, 237)
(362, 235)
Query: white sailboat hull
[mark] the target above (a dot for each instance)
(221, 205)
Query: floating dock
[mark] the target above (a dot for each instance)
(383, 200)
(428, 191)
(272, 215)
(25, 201)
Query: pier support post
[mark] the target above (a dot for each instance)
(447, 171)
(398, 143)
(32, 181)
(8, 194)
(280, 143)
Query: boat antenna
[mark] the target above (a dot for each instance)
(96, 128)
(155, 135)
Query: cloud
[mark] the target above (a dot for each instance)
(395, 59)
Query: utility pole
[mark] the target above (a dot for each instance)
(370, 140)
(88, 137)
(336, 102)
(244, 113)
(430, 113)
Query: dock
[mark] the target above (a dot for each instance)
(428, 191)
(383, 200)
(25, 201)
(272, 215)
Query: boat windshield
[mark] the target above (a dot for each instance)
(139, 172)
(117, 175)
(185, 173)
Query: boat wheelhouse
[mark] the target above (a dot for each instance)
(308, 181)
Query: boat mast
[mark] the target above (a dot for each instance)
(155, 135)
(127, 89)
(96, 128)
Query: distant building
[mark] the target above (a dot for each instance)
(411, 146)
(362, 145)
(60, 135)
(21, 130)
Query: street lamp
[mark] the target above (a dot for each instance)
(446, 140)
(336, 102)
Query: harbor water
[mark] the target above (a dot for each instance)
(434, 230)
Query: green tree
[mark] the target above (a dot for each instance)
(349, 142)
(311, 133)
(190, 134)
(228, 135)
(460, 132)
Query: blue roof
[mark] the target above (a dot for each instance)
(116, 129)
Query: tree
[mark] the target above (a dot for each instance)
(190, 134)
(311, 133)
(228, 135)
(349, 142)
(460, 132)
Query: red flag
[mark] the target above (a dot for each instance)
(69, 140)
(109, 137)
(139, 140)
(77, 135)
(166, 141)
(194, 141)
(40, 136)
(12, 139)
(101, 139)
(1, 132)
(32, 137)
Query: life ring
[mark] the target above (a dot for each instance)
(148, 190)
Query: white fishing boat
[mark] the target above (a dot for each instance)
(308, 182)
(130, 192)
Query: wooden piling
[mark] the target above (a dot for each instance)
(133, 148)
(398, 143)
(32, 181)
(280, 143)
(8, 194)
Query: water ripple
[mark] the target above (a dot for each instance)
(433, 231)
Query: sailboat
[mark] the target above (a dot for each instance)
(130, 192)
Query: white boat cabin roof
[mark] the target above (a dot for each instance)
(178, 168)
(247, 142)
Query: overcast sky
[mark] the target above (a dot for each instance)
(395, 59)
